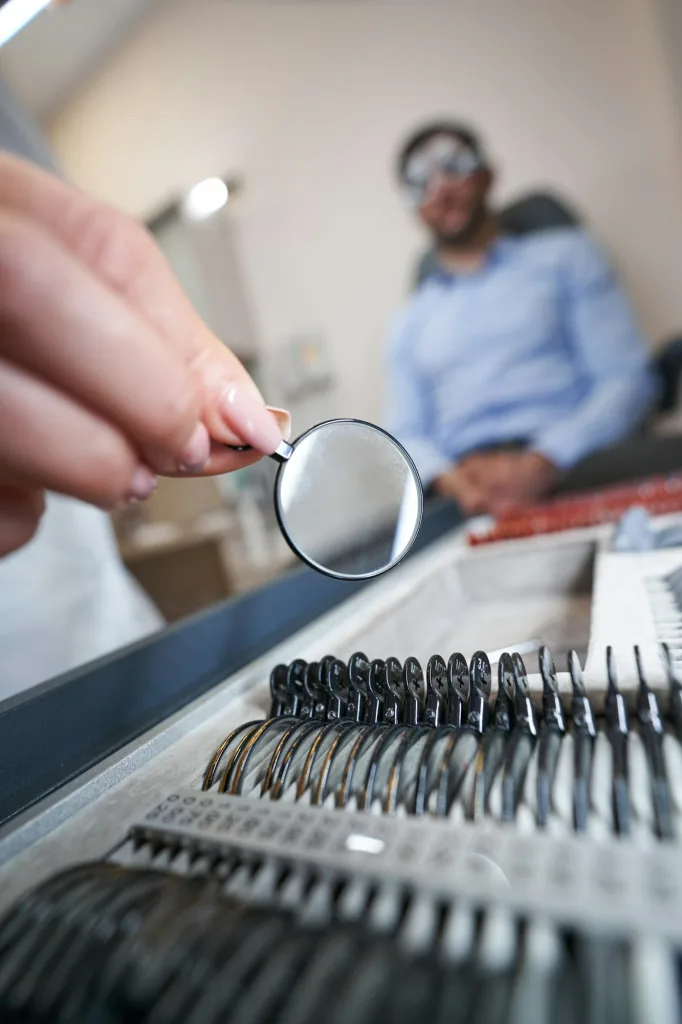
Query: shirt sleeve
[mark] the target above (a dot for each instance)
(610, 350)
(409, 416)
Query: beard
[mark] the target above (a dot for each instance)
(467, 233)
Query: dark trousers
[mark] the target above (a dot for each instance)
(630, 460)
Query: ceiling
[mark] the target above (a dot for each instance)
(60, 49)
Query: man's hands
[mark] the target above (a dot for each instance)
(107, 374)
(458, 485)
(498, 482)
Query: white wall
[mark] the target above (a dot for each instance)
(306, 102)
(670, 34)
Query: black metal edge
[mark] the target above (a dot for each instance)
(54, 732)
(281, 518)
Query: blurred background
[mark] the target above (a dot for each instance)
(257, 141)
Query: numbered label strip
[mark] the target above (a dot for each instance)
(607, 887)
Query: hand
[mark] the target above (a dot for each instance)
(107, 375)
(459, 485)
(508, 480)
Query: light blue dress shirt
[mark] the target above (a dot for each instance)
(539, 345)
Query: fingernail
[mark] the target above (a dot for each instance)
(283, 417)
(197, 451)
(143, 484)
(250, 419)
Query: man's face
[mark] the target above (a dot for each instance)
(450, 188)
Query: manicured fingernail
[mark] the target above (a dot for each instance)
(197, 450)
(242, 411)
(283, 417)
(143, 484)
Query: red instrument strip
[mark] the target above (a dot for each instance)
(659, 495)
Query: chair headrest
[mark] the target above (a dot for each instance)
(538, 211)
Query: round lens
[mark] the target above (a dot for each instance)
(349, 499)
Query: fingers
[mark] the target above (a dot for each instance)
(124, 256)
(106, 373)
(472, 501)
(224, 460)
(489, 471)
(494, 478)
(456, 484)
(473, 495)
(499, 483)
(20, 513)
(63, 325)
(49, 441)
(501, 506)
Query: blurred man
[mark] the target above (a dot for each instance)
(519, 357)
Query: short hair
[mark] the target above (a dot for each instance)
(455, 129)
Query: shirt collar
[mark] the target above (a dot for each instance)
(495, 255)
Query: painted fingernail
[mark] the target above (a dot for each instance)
(283, 417)
(143, 484)
(197, 451)
(242, 411)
